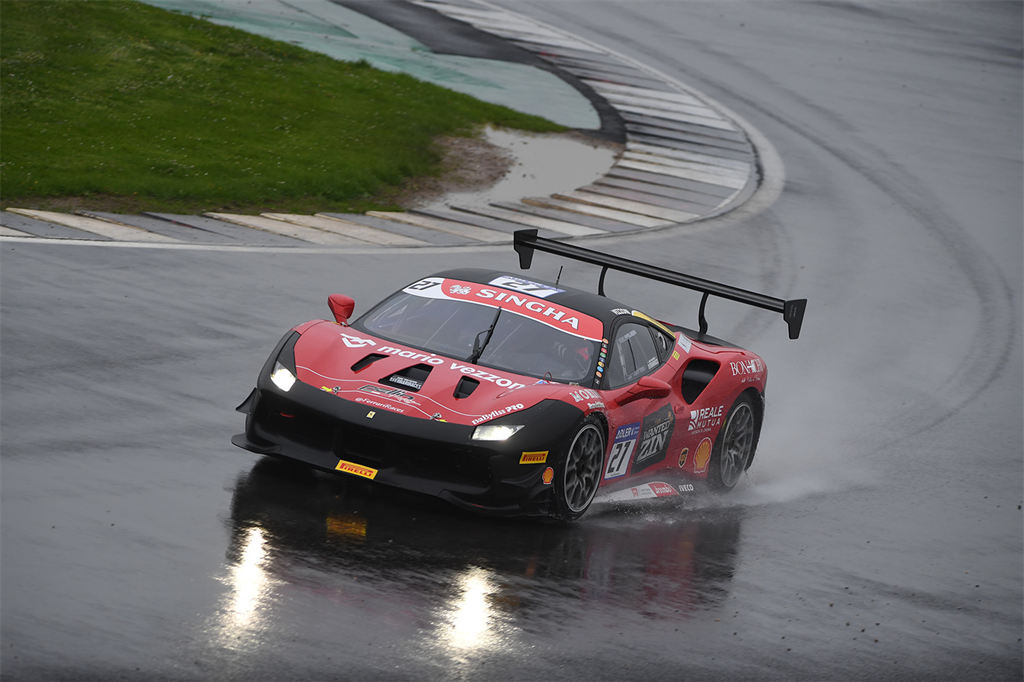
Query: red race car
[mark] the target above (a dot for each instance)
(511, 396)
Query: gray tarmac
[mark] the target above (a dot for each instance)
(877, 536)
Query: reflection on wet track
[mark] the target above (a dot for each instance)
(295, 527)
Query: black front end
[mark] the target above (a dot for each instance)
(426, 456)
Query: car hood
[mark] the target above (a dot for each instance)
(360, 367)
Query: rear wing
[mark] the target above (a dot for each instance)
(527, 241)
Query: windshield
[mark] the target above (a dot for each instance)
(457, 328)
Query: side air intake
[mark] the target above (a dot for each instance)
(696, 377)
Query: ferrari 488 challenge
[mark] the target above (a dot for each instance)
(510, 395)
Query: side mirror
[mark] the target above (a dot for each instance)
(646, 387)
(341, 306)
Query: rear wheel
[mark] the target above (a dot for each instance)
(735, 445)
(579, 472)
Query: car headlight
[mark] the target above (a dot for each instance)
(495, 431)
(282, 377)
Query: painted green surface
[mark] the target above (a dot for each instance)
(322, 26)
(123, 106)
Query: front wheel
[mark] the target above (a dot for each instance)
(578, 474)
(735, 445)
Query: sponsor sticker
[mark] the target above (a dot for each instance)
(430, 359)
(682, 457)
(662, 489)
(653, 446)
(646, 491)
(406, 381)
(585, 394)
(621, 311)
(622, 450)
(705, 419)
(548, 476)
(498, 413)
(383, 406)
(659, 325)
(519, 296)
(526, 286)
(686, 487)
(487, 376)
(356, 469)
(702, 456)
(393, 393)
(353, 341)
(684, 343)
(746, 367)
(534, 457)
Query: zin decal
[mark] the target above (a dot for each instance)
(653, 446)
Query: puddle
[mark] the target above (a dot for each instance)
(544, 164)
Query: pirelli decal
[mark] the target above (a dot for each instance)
(534, 457)
(356, 469)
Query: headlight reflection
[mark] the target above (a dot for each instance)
(471, 622)
(245, 608)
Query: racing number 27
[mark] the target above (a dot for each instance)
(618, 460)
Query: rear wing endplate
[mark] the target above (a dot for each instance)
(527, 241)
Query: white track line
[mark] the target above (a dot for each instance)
(665, 214)
(480, 234)
(665, 160)
(11, 232)
(683, 173)
(359, 234)
(300, 232)
(585, 208)
(695, 157)
(566, 228)
(104, 228)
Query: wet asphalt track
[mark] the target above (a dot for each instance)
(878, 535)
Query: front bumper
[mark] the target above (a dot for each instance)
(431, 457)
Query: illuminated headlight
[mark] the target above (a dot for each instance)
(282, 377)
(494, 432)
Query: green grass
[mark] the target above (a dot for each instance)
(119, 105)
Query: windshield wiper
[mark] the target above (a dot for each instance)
(478, 347)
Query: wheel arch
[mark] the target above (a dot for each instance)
(758, 401)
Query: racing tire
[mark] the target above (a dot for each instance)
(734, 448)
(578, 472)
